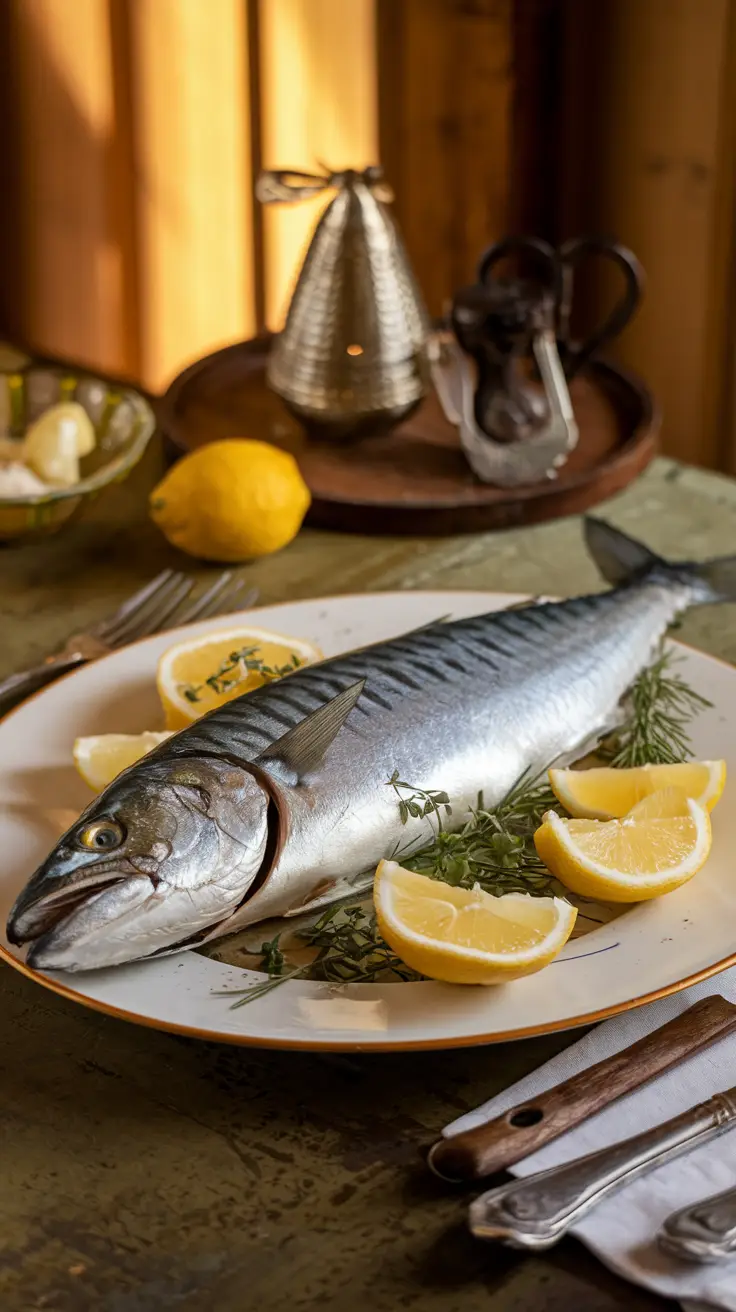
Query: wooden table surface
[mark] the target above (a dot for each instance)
(144, 1172)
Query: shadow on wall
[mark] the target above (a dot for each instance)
(68, 278)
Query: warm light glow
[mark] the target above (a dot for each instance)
(355, 350)
(319, 110)
(136, 186)
(194, 186)
(74, 235)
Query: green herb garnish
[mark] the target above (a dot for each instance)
(661, 705)
(350, 950)
(272, 958)
(495, 848)
(235, 669)
(419, 804)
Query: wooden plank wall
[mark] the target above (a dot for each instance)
(563, 116)
(445, 89)
(130, 239)
(318, 110)
(135, 241)
(125, 139)
(646, 152)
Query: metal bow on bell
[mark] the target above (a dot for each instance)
(352, 359)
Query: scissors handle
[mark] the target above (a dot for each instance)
(544, 255)
(570, 254)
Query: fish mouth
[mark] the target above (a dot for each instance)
(39, 909)
(72, 941)
(126, 920)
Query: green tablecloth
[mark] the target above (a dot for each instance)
(144, 1172)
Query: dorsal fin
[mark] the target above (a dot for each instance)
(422, 628)
(302, 748)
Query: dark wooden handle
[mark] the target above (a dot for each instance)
(521, 1130)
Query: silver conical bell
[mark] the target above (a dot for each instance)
(352, 359)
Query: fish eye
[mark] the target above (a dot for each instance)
(101, 836)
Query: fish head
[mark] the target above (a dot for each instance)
(169, 849)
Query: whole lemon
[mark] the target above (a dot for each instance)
(231, 500)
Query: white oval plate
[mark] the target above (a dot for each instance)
(652, 949)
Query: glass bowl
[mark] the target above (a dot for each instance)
(123, 422)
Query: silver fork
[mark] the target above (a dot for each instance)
(157, 606)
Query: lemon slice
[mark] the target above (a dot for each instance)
(658, 846)
(101, 759)
(607, 792)
(466, 936)
(183, 670)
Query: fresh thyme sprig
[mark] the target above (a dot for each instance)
(272, 958)
(661, 705)
(350, 950)
(259, 990)
(495, 848)
(420, 803)
(239, 665)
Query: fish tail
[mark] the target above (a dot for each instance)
(621, 559)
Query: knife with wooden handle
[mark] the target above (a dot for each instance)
(537, 1210)
(523, 1129)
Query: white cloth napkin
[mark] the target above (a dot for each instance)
(621, 1231)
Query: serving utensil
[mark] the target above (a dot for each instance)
(533, 1213)
(704, 1231)
(505, 464)
(523, 1129)
(556, 273)
(157, 606)
(503, 331)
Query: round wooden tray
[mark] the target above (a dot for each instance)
(414, 479)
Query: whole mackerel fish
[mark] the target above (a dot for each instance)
(276, 801)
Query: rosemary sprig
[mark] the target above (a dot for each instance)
(661, 705)
(235, 669)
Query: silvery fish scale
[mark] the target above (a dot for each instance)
(352, 358)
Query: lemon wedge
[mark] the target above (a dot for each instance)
(662, 842)
(466, 936)
(220, 656)
(660, 806)
(607, 793)
(101, 758)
